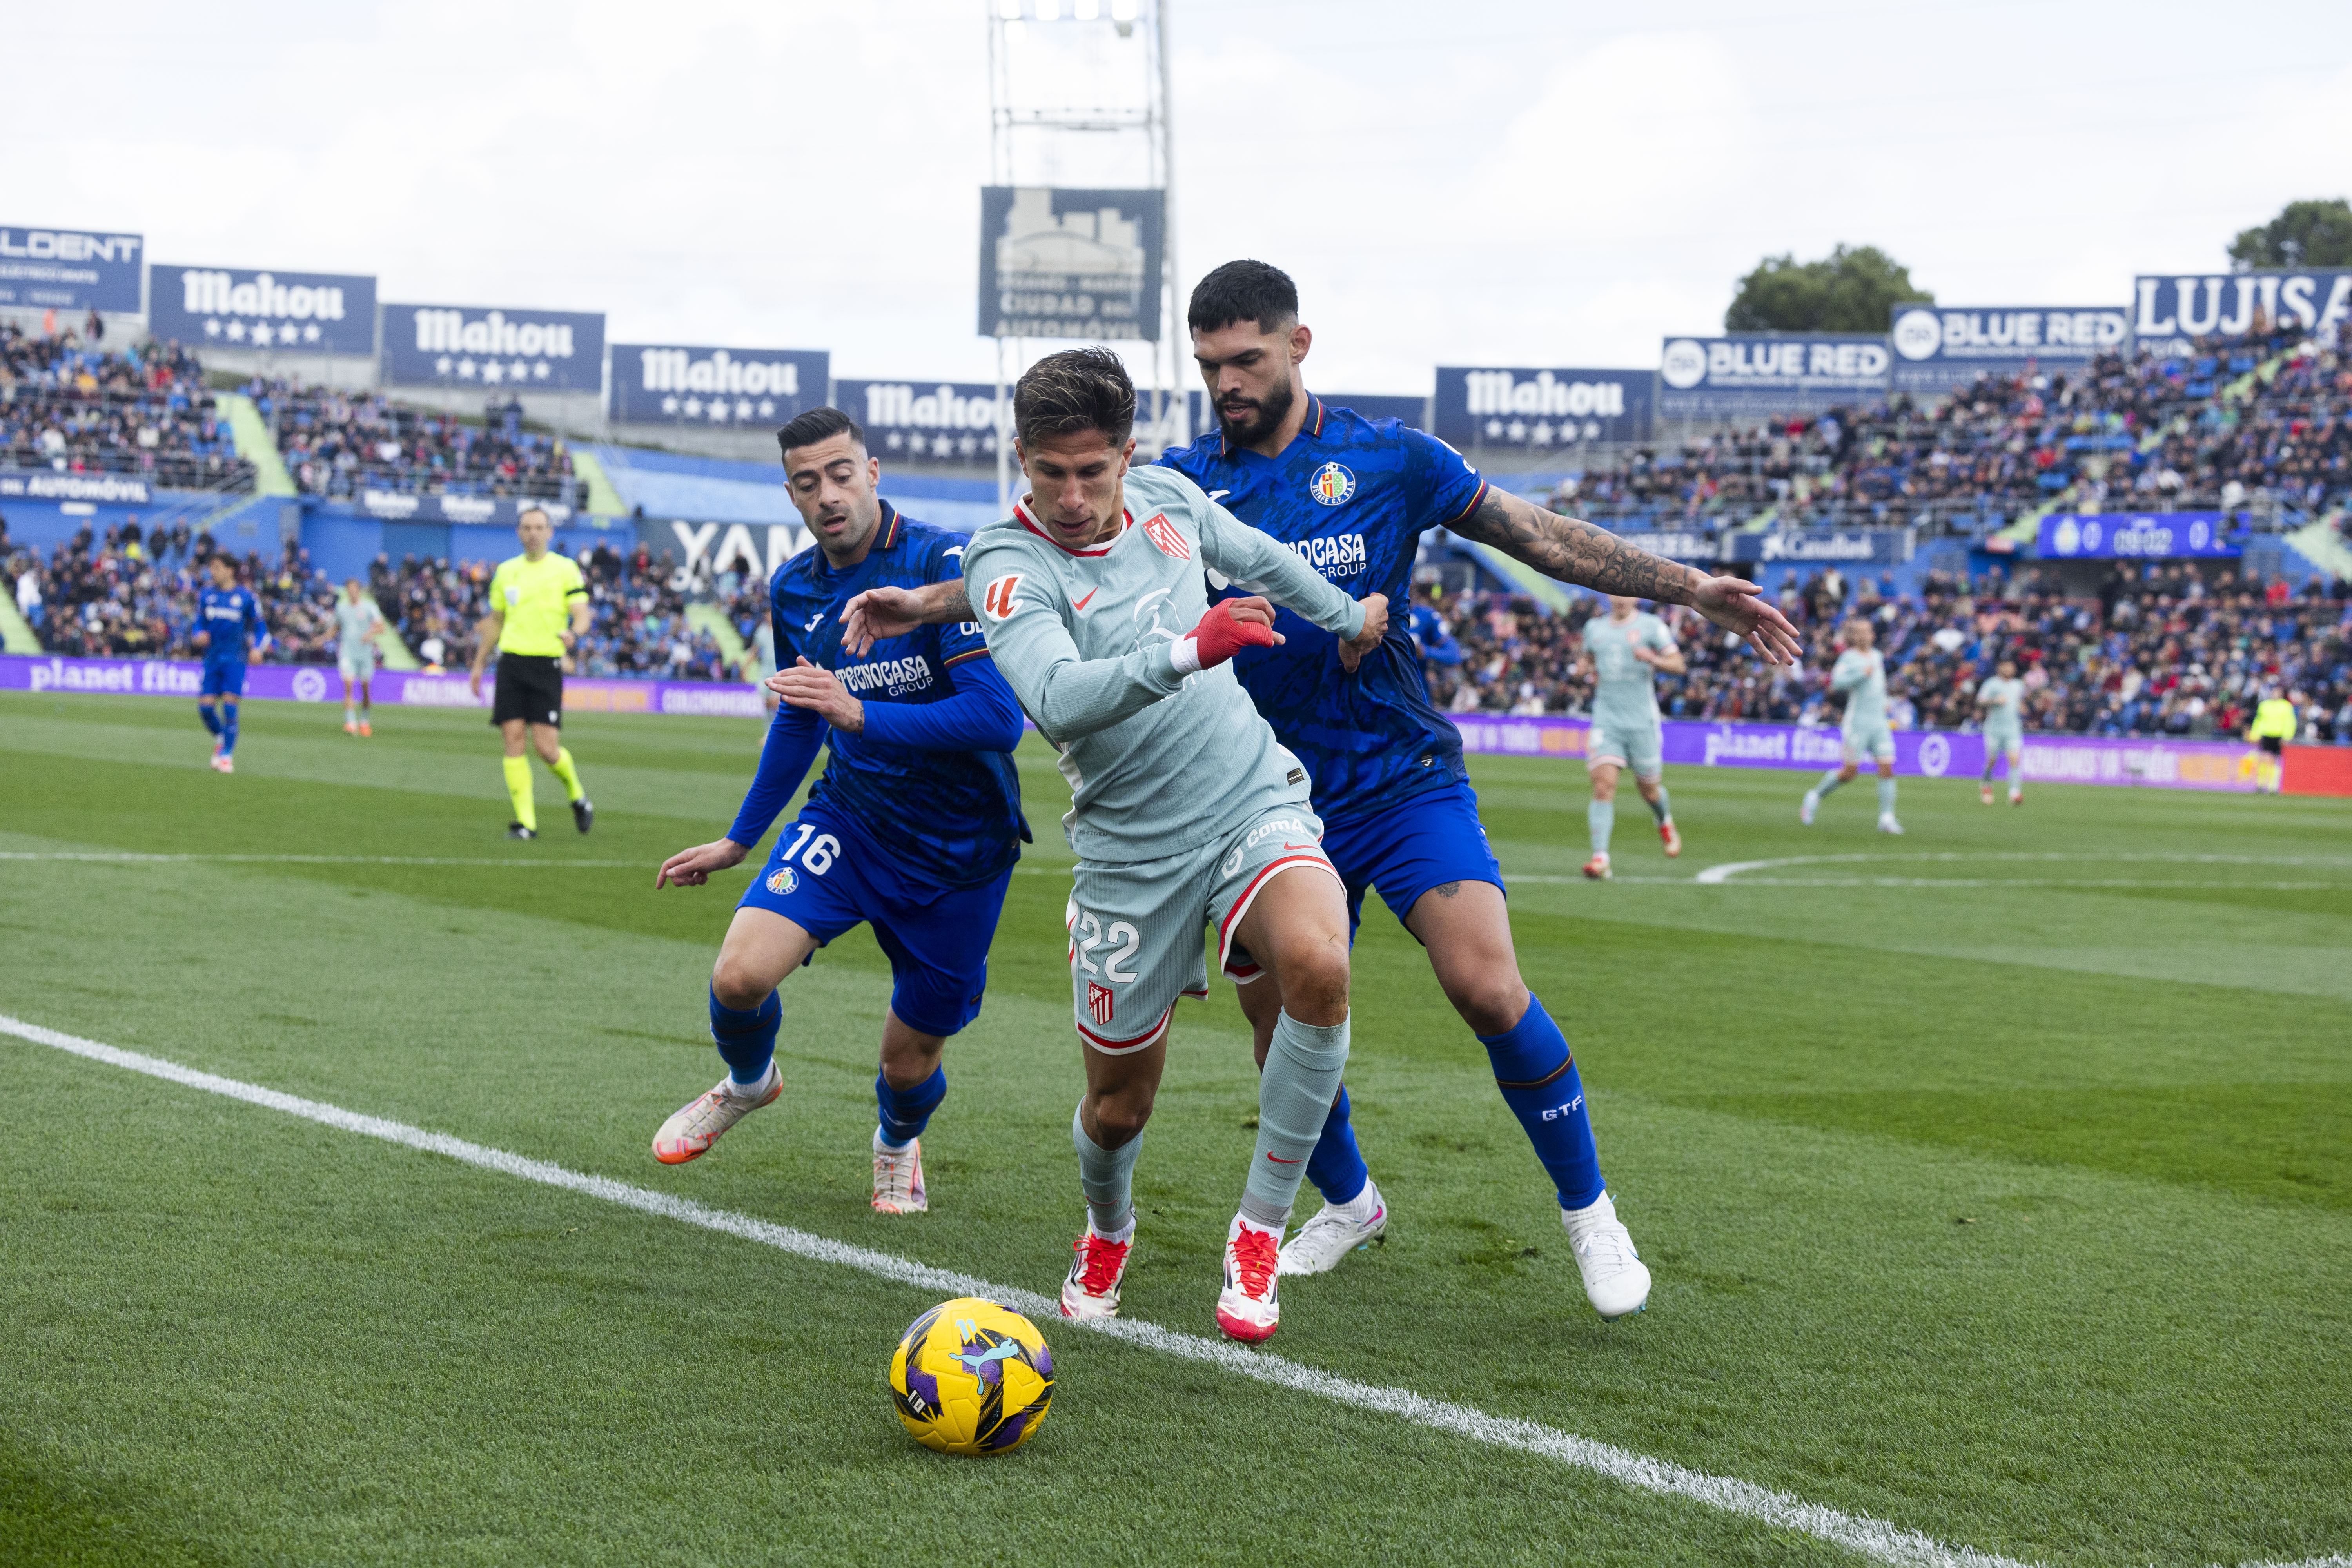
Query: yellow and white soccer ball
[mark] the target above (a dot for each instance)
(972, 1377)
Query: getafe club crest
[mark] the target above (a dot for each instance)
(1331, 485)
(783, 881)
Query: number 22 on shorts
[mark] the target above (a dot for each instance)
(817, 859)
(1087, 933)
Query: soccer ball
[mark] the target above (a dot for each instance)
(972, 1377)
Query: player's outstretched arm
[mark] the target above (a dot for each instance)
(792, 738)
(1232, 547)
(1574, 551)
(692, 868)
(879, 613)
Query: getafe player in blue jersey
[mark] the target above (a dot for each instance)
(229, 622)
(1353, 496)
(913, 827)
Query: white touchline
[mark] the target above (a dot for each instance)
(1858, 1533)
(128, 857)
(1714, 876)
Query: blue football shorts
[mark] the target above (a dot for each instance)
(221, 679)
(827, 877)
(1419, 844)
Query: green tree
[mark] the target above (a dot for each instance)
(1847, 292)
(2305, 234)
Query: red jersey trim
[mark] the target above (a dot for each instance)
(963, 657)
(1126, 520)
(1249, 896)
(1466, 510)
(1121, 1048)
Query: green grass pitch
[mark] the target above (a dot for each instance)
(1996, 1180)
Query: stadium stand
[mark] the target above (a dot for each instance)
(2160, 651)
(2256, 423)
(76, 408)
(338, 444)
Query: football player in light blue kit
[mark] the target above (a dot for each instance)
(1861, 673)
(228, 623)
(1628, 648)
(1352, 497)
(913, 827)
(2000, 704)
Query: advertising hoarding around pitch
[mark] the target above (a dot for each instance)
(244, 307)
(1535, 410)
(1822, 547)
(497, 348)
(1070, 263)
(1743, 375)
(1940, 347)
(662, 383)
(936, 421)
(2169, 312)
(71, 269)
(2139, 536)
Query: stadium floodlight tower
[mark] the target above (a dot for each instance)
(1078, 97)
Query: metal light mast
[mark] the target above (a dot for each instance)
(1078, 94)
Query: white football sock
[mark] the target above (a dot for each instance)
(1363, 1205)
(1124, 1233)
(884, 1146)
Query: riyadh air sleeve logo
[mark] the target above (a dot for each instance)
(1163, 534)
(997, 600)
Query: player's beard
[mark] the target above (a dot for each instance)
(1261, 418)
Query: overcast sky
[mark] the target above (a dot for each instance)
(1497, 182)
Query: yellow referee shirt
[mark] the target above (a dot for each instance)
(535, 597)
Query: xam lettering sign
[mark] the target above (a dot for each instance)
(704, 550)
(666, 384)
(2168, 313)
(235, 308)
(1536, 409)
(467, 345)
(71, 269)
(1940, 347)
(1749, 374)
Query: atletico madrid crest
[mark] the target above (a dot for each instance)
(1098, 1002)
(1163, 534)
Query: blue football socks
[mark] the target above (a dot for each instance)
(211, 719)
(907, 1111)
(1336, 1166)
(228, 728)
(748, 1040)
(1539, 1083)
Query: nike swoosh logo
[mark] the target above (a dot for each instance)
(1280, 1161)
(1298, 846)
(1089, 599)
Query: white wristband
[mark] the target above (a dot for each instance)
(1185, 654)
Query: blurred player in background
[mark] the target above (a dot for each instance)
(1352, 497)
(359, 625)
(1627, 650)
(229, 625)
(539, 612)
(2001, 706)
(2273, 726)
(1185, 812)
(1861, 674)
(913, 827)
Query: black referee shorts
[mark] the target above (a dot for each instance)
(530, 687)
(2271, 744)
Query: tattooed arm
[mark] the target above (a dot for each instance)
(1574, 551)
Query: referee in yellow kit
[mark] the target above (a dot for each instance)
(539, 612)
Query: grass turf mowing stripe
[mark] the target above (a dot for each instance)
(1872, 1537)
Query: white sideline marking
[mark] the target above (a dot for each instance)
(128, 857)
(1858, 1533)
(1716, 876)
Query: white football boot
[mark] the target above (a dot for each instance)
(1322, 1242)
(1249, 1307)
(1091, 1290)
(1812, 804)
(898, 1177)
(698, 1124)
(1886, 823)
(1597, 868)
(1671, 836)
(1615, 1279)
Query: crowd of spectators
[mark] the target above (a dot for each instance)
(2160, 650)
(637, 625)
(133, 594)
(339, 443)
(69, 405)
(2260, 423)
